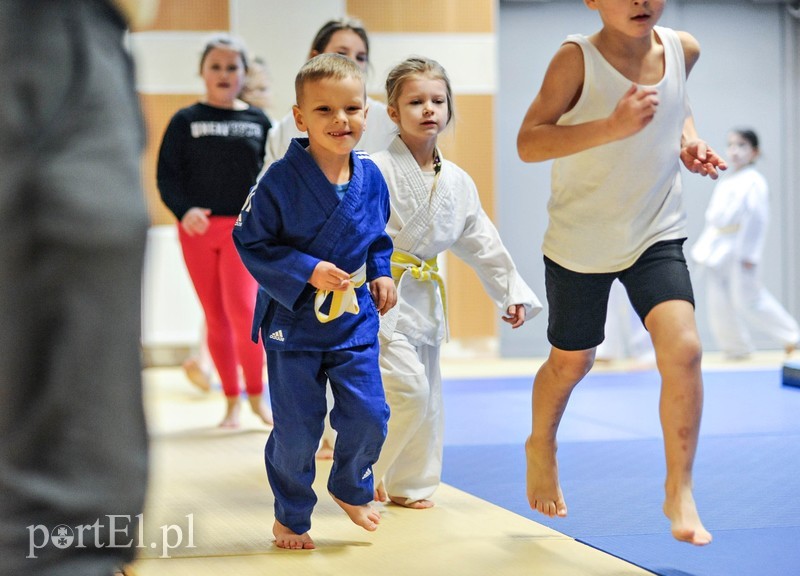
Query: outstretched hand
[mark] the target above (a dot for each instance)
(699, 158)
(384, 293)
(515, 315)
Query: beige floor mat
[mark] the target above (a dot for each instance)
(208, 488)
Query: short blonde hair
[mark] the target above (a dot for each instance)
(417, 66)
(325, 66)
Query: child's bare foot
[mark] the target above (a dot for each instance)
(544, 491)
(260, 409)
(415, 504)
(196, 375)
(364, 515)
(686, 525)
(325, 451)
(231, 419)
(380, 493)
(285, 538)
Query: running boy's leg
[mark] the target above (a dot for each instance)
(576, 318)
(678, 355)
(552, 387)
(661, 292)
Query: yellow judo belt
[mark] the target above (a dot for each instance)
(343, 300)
(403, 262)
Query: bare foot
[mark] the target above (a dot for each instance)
(285, 538)
(790, 349)
(686, 525)
(260, 409)
(380, 493)
(231, 419)
(365, 515)
(325, 451)
(415, 504)
(544, 491)
(196, 375)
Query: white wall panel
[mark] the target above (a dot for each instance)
(168, 62)
(470, 59)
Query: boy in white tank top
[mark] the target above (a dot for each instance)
(613, 113)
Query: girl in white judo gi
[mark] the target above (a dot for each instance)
(730, 249)
(434, 207)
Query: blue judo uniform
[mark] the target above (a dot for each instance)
(292, 220)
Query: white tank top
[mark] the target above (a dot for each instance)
(610, 203)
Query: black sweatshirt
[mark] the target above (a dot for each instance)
(210, 157)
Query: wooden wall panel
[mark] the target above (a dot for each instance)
(158, 109)
(191, 15)
(469, 143)
(411, 16)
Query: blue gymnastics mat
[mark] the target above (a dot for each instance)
(747, 471)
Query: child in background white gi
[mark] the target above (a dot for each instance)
(613, 112)
(435, 207)
(730, 249)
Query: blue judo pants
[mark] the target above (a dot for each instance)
(297, 382)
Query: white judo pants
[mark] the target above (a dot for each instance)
(410, 463)
(737, 303)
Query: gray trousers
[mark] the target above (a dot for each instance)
(73, 444)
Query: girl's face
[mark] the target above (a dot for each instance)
(223, 74)
(421, 111)
(347, 43)
(740, 152)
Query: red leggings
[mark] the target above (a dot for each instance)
(227, 293)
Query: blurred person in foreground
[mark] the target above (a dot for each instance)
(73, 461)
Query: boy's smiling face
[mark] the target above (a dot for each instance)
(333, 113)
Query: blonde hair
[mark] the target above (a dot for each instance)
(325, 66)
(417, 66)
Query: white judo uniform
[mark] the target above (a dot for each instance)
(735, 231)
(422, 225)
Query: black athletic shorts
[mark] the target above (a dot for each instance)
(578, 302)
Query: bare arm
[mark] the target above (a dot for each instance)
(696, 155)
(691, 50)
(541, 138)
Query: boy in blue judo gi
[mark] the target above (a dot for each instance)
(312, 232)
